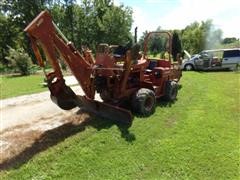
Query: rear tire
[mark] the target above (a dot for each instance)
(144, 102)
(171, 91)
(237, 67)
(105, 96)
(188, 67)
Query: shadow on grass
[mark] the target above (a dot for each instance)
(15, 75)
(18, 75)
(165, 103)
(215, 70)
(54, 136)
(106, 124)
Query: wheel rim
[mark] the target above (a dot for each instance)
(188, 67)
(149, 103)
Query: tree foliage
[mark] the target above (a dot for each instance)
(160, 43)
(176, 45)
(88, 22)
(199, 36)
(92, 22)
(20, 61)
(229, 40)
(8, 36)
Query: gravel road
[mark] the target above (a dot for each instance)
(25, 118)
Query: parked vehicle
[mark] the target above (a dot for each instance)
(218, 59)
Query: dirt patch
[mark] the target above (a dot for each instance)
(16, 142)
(20, 143)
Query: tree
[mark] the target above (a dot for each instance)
(229, 40)
(8, 37)
(199, 36)
(142, 39)
(156, 43)
(20, 61)
(94, 22)
(192, 38)
(115, 25)
(69, 17)
(88, 23)
(21, 13)
(176, 45)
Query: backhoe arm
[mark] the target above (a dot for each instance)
(45, 35)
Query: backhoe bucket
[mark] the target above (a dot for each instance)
(66, 99)
(61, 94)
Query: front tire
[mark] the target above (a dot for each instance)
(171, 91)
(144, 102)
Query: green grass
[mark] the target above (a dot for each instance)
(151, 56)
(15, 86)
(197, 137)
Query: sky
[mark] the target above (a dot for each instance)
(177, 14)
